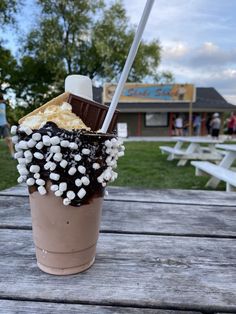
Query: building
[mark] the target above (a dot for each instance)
(156, 118)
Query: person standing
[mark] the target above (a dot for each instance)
(197, 124)
(215, 126)
(179, 125)
(4, 126)
(231, 125)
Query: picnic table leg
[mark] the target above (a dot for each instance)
(178, 145)
(226, 162)
(190, 150)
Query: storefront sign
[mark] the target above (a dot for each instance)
(134, 92)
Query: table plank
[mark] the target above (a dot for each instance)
(149, 218)
(179, 273)
(171, 196)
(10, 307)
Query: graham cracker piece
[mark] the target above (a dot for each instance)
(55, 101)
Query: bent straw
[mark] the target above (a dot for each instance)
(128, 64)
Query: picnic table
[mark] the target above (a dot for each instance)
(203, 148)
(159, 251)
(220, 172)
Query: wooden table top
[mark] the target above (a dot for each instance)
(199, 140)
(159, 251)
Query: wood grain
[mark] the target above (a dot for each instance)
(132, 217)
(170, 196)
(130, 270)
(10, 307)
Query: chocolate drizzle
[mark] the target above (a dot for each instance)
(97, 152)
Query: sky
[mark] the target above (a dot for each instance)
(198, 39)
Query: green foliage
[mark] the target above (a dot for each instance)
(7, 168)
(8, 8)
(8, 69)
(86, 37)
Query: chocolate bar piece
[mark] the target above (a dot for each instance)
(91, 112)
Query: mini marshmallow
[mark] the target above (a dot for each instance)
(40, 182)
(28, 154)
(85, 180)
(18, 154)
(53, 166)
(72, 171)
(66, 201)
(113, 141)
(42, 190)
(96, 166)
(34, 168)
(47, 165)
(70, 195)
(81, 193)
(17, 148)
(31, 143)
(58, 193)
(46, 140)
(63, 163)
(57, 157)
(81, 169)
(39, 145)
(107, 174)
(54, 176)
(100, 179)
(78, 182)
(73, 146)
(30, 181)
(120, 154)
(23, 171)
(55, 149)
(13, 130)
(55, 140)
(21, 161)
(37, 175)
(63, 186)
(20, 179)
(49, 157)
(36, 137)
(38, 155)
(65, 143)
(85, 151)
(104, 184)
(28, 130)
(108, 143)
(108, 159)
(22, 145)
(77, 157)
(108, 150)
(54, 187)
(15, 139)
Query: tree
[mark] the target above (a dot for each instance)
(89, 38)
(8, 8)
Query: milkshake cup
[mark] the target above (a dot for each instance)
(66, 166)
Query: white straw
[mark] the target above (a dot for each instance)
(128, 64)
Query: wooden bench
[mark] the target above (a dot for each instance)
(172, 150)
(219, 172)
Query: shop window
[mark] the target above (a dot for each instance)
(156, 119)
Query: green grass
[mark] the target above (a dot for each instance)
(8, 172)
(142, 166)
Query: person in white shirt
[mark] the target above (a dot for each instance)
(179, 126)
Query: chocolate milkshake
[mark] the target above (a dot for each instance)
(66, 165)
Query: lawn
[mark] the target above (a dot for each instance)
(142, 166)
